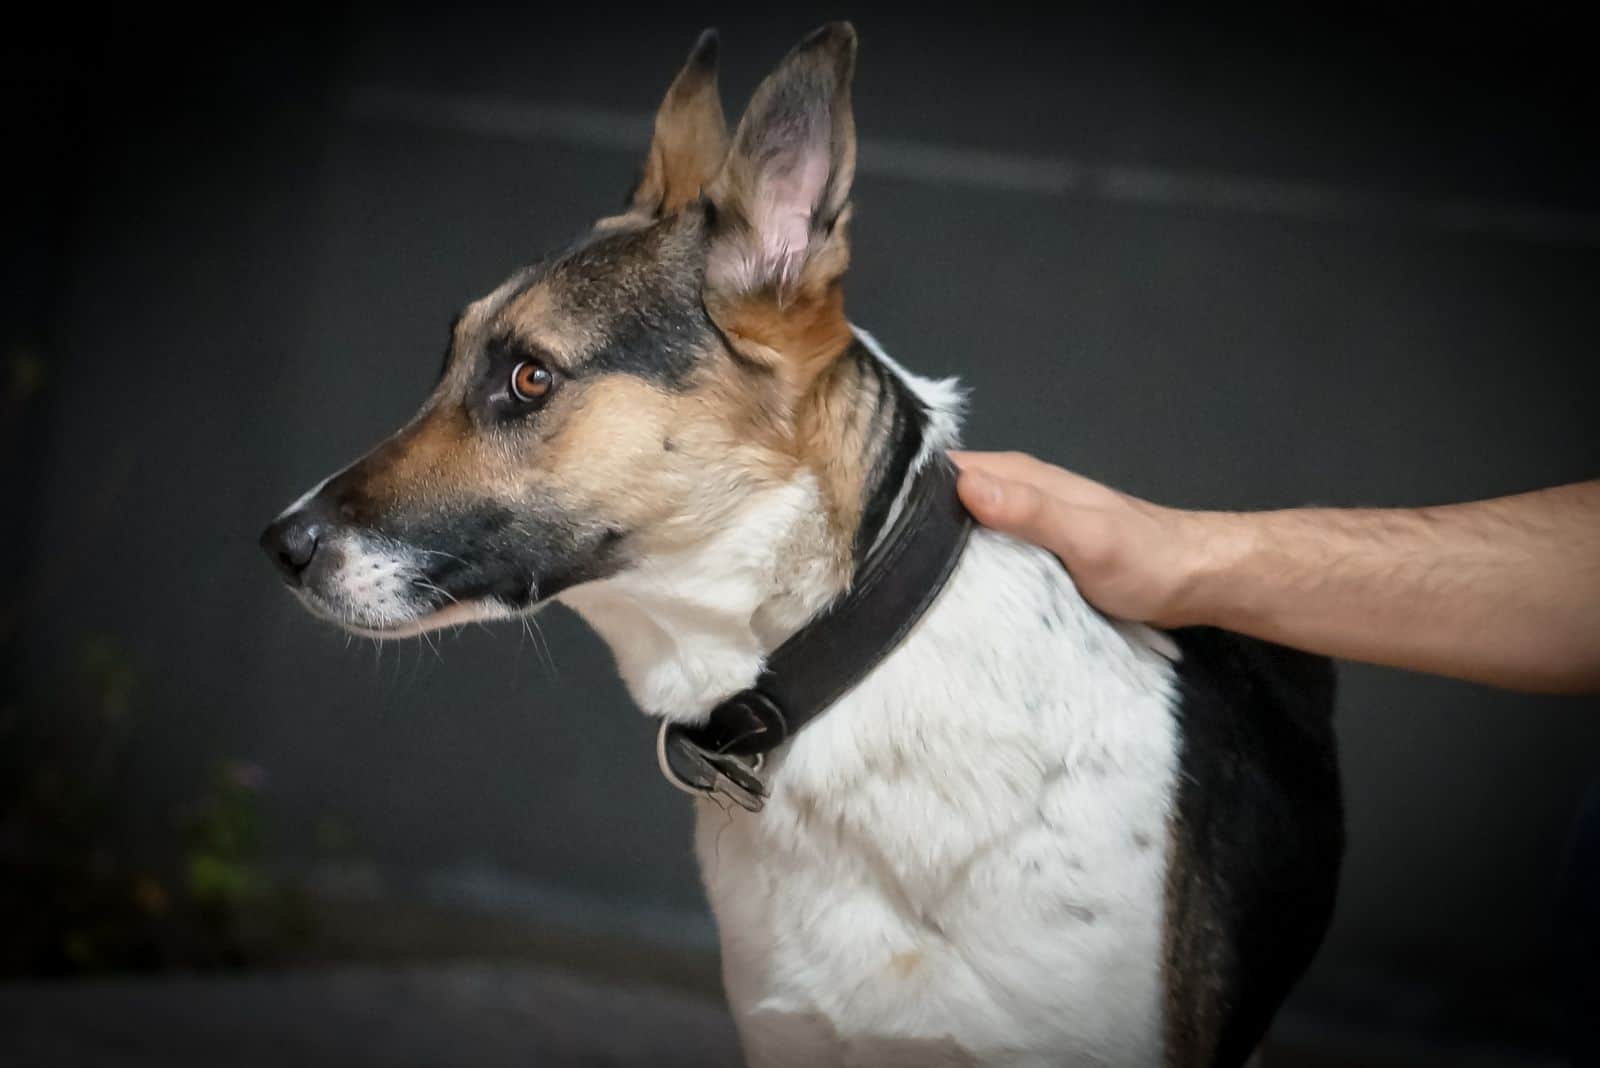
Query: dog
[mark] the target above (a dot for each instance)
(1029, 835)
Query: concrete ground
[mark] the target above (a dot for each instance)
(441, 1015)
(472, 1015)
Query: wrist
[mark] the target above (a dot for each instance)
(1213, 547)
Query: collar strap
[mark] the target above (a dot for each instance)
(823, 660)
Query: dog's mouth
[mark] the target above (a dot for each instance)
(453, 614)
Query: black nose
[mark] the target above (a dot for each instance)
(291, 541)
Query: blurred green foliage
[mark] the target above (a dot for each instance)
(94, 875)
(86, 884)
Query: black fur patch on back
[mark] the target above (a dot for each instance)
(1257, 840)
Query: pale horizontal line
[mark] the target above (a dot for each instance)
(917, 161)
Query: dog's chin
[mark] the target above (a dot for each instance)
(412, 624)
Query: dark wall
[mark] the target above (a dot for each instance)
(1230, 263)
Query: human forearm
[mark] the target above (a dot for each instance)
(1504, 592)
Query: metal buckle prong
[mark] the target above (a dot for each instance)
(720, 774)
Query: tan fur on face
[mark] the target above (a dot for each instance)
(802, 343)
(660, 444)
(673, 467)
(665, 465)
(797, 339)
(538, 317)
(421, 463)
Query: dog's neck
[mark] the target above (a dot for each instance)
(692, 627)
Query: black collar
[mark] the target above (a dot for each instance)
(828, 656)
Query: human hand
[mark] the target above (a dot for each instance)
(1504, 592)
(1130, 558)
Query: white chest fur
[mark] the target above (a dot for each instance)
(963, 860)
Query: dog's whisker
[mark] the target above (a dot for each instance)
(441, 552)
(532, 639)
(542, 643)
(433, 587)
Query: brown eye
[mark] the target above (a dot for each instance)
(531, 381)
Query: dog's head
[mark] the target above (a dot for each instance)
(618, 400)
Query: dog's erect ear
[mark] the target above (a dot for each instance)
(781, 197)
(691, 137)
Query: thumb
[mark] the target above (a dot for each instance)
(1015, 508)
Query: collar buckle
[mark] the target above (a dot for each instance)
(703, 773)
(893, 587)
(723, 756)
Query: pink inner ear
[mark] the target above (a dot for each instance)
(784, 206)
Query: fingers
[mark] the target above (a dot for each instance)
(982, 493)
(1127, 556)
(1013, 465)
(1014, 507)
(1020, 467)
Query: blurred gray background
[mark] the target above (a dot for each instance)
(1237, 261)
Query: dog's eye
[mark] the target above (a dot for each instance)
(531, 381)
